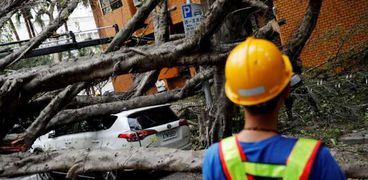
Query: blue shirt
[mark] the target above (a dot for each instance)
(273, 150)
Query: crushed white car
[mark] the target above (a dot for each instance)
(154, 126)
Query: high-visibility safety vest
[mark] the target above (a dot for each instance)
(298, 165)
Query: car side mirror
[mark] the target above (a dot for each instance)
(52, 134)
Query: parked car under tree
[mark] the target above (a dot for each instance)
(154, 126)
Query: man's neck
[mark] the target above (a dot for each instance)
(259, 127)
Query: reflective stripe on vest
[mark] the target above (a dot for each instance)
(298, 165)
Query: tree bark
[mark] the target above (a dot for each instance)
(102, 160)
(161, 32)
(102, 67)
(270, 29)
(8, 16)
(8, 6)
(130, 158)
(61, 100)
(71, 115)
(222, 112)
(133, 24)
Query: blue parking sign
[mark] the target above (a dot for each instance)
(192, 16)
(187, 11)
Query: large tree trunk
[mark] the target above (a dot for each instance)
(223, 110)
(81, 161)
(161, 31)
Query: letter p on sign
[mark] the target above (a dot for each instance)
(187, 11)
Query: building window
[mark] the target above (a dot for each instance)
(109, 5)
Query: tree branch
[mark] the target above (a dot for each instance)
(133, 24)
(257, 4)
(268, 30)
(6, 7)
(36, 41)
(101, 67)
(296, 43)
(161, 31)
(58, 76)
(57, 103)
(4, 19)
(149, 79)
(209, 25)
(71, 115)
(169, 60)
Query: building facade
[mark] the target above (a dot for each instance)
(80, 22)
(110, 12)
(342, 25)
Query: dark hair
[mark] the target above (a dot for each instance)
(265, 107)
(268, 106)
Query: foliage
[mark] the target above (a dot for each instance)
(350, 53)
(323, 109)
(32, 62)
(89, 51)
(327, 108)
(5, 35)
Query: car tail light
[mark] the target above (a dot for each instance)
(137, 135)
(183, 122)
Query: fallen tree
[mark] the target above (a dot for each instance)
(82, 161)
(46, 78)
(71, 115)
(26, 87)
(19, 87)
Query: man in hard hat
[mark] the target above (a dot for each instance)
(258, 77)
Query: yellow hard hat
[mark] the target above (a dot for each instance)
(256, 71)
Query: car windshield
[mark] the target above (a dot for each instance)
(151, 117)
(96, 123)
